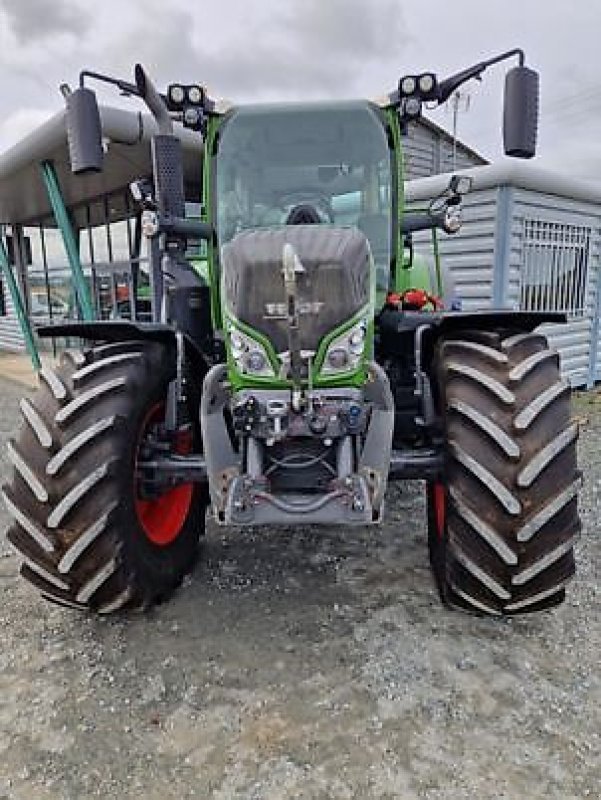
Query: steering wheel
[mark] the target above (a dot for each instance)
(309, 196)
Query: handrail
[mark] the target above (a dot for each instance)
(19, 308)
(64, 224)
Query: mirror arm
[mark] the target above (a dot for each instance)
(127, 88)
(450, 85)
(143, 88)
(178, 226)
(421, 222)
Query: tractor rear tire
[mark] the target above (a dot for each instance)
(85, 537)
(502, 525)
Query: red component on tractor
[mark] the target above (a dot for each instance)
(413, 300)
(162, 518)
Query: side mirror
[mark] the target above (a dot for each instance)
(460, 185)
(84, 132)
(520, 116)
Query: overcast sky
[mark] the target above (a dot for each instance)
(285, 49)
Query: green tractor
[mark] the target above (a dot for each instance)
(306, 359)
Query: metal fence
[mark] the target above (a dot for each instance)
(555, 267)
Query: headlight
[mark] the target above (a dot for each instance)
(426, 82)
(256, 362)
(408, 85)
(337, 358)
(461, 184)
(452, 219)
(345, 352)
(249, 355)
(194, 95)
(412, 107)
(357, 339)
(192, 116)
(176, 94)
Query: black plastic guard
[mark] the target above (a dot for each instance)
(109, 330)
(392, 324)
(400, 321)
(122, 331)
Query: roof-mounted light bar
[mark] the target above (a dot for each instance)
(180, 95)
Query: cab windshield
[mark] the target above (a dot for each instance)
(276, 165)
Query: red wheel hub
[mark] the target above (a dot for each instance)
(162, 518)
(439, 497)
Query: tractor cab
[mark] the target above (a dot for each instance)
(311, 163)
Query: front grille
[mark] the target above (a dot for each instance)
(301, 464)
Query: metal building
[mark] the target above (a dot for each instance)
(429, 150)
(55, 226)
(530, 241)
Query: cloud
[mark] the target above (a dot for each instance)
(313, 49)
(265, 51)
(31, 20)
(345, 29)
(309, 49)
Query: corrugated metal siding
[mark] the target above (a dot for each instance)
(428, 153)
(11, 337)
(463, 159)
(470, 257)
(573, 340)
(420, 152)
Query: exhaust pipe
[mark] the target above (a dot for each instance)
(153, 100)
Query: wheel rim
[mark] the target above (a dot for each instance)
(162, 518)
(439, 497)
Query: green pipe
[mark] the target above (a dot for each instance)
(19, 308)
(439, 281)
(62, 220)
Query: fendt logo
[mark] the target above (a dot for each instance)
(279, 310)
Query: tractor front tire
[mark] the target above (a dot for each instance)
(502, 524)
(86, 537)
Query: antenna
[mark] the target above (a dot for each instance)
(460, 103)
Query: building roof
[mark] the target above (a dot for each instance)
(509, 172)
(127, 134)
(444, 134)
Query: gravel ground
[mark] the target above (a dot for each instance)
(313, 664)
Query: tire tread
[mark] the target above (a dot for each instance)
(71, 462)
(511, 512)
